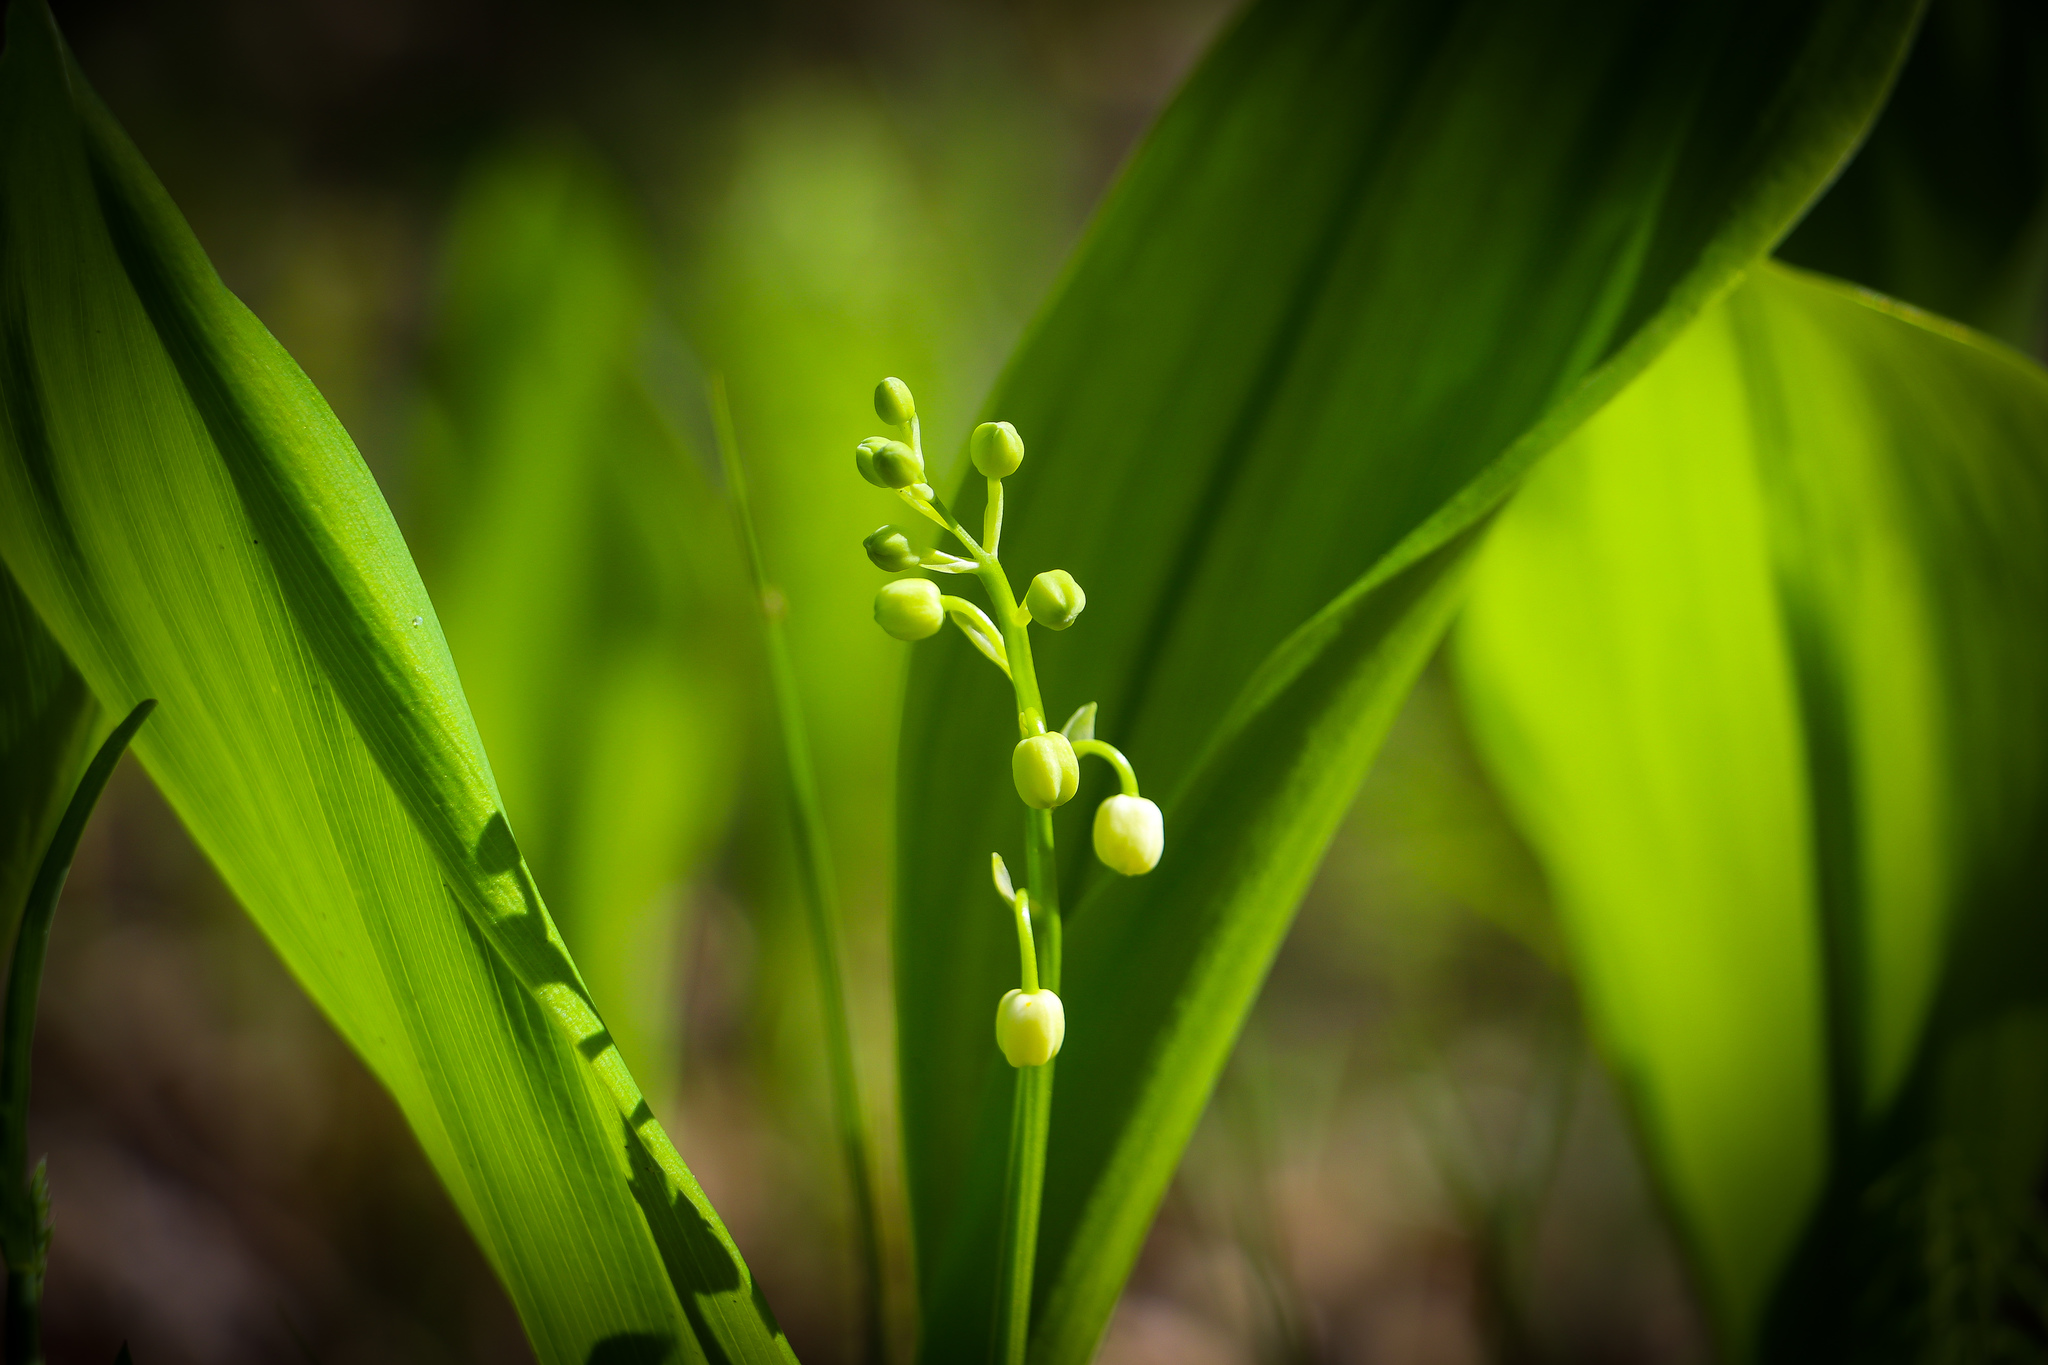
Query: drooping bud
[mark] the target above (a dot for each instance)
(887, 464)
(996, 449)
(909, 608)
(893, 403)
(1054, 599)
(889, 549)
(1030, 1026)
(1130, 834)
(1045, 769)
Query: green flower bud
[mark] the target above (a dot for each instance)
(889, 549)
(909, 608)
(898, 465)
(893, 403)
(1054, 599)
(1030, 1026)
(1129, 835)
(864, 459)
(996, 449)
(887, 464)
(1045, 769)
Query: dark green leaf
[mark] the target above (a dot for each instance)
(1373, 261)
(46, 717)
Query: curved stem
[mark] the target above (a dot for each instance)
(24, 1224)
(1126, 776)
(1027, 951)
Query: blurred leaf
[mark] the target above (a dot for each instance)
(46, 721)
(191, 523)
(1373, 261)
(1758, 658)
(865, 228)
(842, 250)
(569, 539)
(1946, 205)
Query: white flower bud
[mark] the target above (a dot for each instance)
(1130, 834)
(1030, 1026)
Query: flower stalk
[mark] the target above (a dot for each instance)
(1030, 1020)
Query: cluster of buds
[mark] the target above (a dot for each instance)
(1129, 833)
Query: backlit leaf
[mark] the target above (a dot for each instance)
(1758, 658)
(190, 522)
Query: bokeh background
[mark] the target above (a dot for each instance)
(510, 242)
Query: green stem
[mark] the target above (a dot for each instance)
(1031, 1111)
(1027, 951)
(24, 1226)
(1126, 775)
(820, 896)
(992, 518)
(1030, 1118)
(1024, 1190)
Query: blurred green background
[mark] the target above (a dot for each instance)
(509, 242)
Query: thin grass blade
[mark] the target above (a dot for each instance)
(821, 901)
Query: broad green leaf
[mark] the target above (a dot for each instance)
(1758, 658)
(46, 718)
(1373, 261)
(572, 545)
(190, 523)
